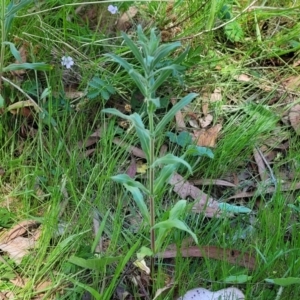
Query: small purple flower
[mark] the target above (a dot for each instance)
(67, 61)
(112, 9)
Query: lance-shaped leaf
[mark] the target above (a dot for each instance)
(163, 50)
(199, 151)
(139, 200)
(142, 132)
(28, 66)
(171, 159)
(175, 223)
(177, 210)
(120, 61)
(164, 176)
(125, 179)
(135, 50)
(140, 81)
(14, 51)
(171, 113)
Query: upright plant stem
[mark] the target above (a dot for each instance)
(151, 186)
(2, 21)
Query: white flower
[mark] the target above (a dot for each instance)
(67, 61)
(112, 9)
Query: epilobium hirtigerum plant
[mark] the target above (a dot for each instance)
(151, 56)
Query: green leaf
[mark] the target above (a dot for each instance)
(16, 6)
(143, 252)
(171, 113)
(178, 209)
(175, 223)
(136, 52)
(284, 281)
(115, 112)
(140, 81)
(163, 50)
(97, 264)
(183, 139)
(237, 279)
(2, 101)
(164, 74)
(142, 132)
(104, 94)
(28, 66)
(199, 151)
(170, 159)
(139, 200)
(164, 176)
(14, 51)
(125, 179)
(120, 61)
(234, 208)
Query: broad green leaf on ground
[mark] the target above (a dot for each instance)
(237, 279)
(28, 66)
(97, 264)
(284, 281)
(226, 207)
(183, 139)
(199, 151)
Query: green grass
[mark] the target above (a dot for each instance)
(49, 178)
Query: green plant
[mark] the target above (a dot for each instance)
(152, 60)
(8, 14)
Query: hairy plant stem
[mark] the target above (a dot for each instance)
(2, 39)
(151, 184)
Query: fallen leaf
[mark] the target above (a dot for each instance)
(125, 21)
(203, 204)
(294, 116)
(231, 293)
(131, 172)
(19, 229)
(206, 120)
(141, 167)
(18, 248)
(178, 117)
(262, 170)
(23, 53)
(165, 288)
(243, 78)
(292, 83)
(231, 256)
(207, 137)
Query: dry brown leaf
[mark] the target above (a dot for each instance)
(18, 248)
(243, 78)
(213, 182)
(23, 53)
(131, 172)
(204, 203)
(206, 120)
(232, 256)
(292, 83)
(262, 170)
(294, 116)
(178, 117)
(125, 21)
(19, 229)
(205, 108)
(207, 137)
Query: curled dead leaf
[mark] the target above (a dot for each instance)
(125, 21)
(294, 116)
(207, 137)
